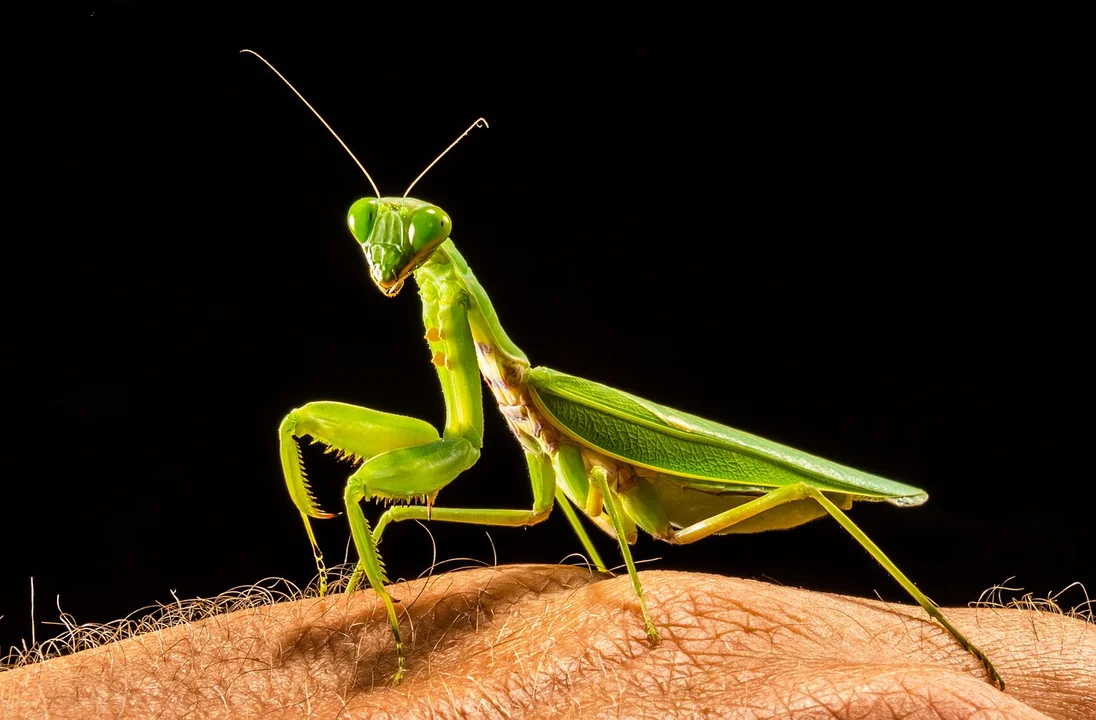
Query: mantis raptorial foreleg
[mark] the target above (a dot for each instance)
(401, 473)
(404, 458)
(353, 431)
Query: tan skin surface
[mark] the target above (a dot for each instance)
(540, 641)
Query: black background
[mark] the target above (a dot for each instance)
(856, 242)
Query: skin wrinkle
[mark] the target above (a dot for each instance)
(942, 696)
(558, 640)
(703, 609)
(901, 622)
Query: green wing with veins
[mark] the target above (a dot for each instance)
(654, 436)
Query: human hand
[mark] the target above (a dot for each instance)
(535, 640)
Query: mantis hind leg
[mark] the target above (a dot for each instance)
(802, 491)
(929, 606)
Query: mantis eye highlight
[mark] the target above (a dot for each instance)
(362, 216)
(429, 226)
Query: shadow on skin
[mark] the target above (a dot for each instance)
(547, 640)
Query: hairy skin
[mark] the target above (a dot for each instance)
(535, 640)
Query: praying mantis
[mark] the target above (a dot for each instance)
(625, 463)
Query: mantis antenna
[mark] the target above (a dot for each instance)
(471, 127)
(309, 106)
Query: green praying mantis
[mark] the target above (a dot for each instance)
(626, 463)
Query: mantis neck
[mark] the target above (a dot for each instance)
(467, 341)
(449, 266)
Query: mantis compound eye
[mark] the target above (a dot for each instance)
(362, 217)
(430, 225)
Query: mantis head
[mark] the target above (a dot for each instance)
(397, 235)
